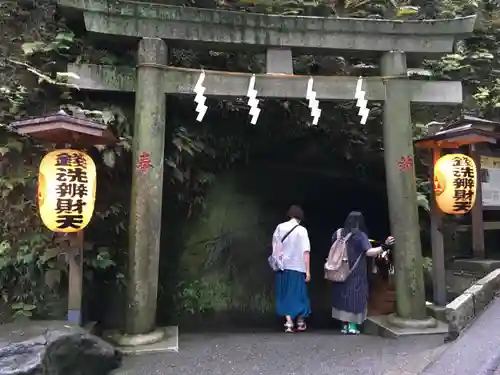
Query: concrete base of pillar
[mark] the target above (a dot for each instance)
(136, 340)
(165, 339)
(399, 322)
(394, 327)
(438, 312)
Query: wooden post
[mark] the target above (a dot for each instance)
(75, 282)
(401, 189)
(478, 249)
(147, 188)
(438, 262)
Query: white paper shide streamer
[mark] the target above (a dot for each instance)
(313, 102)
(200, 99)
(362, 102)
(253, 102)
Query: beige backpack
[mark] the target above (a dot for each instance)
(337, 264)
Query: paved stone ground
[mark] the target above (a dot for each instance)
(477, 351)
(276, 353)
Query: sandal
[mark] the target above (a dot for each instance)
(301, 325)
(288, 327)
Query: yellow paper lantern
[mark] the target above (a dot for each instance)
(66, 190)
(455, 182)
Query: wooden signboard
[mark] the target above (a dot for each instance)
(490, 182)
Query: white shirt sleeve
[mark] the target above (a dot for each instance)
(305, 245)
(276, 238)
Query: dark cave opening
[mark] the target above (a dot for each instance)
(326, 202)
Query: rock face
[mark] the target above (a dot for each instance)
(53, 348)
(224, 264)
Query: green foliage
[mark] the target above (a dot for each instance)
(61, 43)
(423, 193)
(31, 265)
(25, 251)
(25, 244)
(324, 8)
(476, 61)
(209, 296)
(200, 296)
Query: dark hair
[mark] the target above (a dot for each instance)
(353, 223)
(295, 212)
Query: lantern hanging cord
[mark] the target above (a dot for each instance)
(244, 74)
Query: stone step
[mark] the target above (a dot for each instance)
(479, 267)
(379, 326)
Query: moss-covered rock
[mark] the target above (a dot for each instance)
(223, 267)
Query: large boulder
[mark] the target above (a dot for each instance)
(53, 348)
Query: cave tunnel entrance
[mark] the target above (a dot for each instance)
(213, 268)
(324, 216)
(326, 199)
(326, 202)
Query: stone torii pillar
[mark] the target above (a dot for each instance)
(147, 189)
(401, 188)
(192, 27)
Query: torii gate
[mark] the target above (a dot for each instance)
(157, 25)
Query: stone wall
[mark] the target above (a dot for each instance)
(466, 307)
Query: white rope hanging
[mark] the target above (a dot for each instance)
(201, 108)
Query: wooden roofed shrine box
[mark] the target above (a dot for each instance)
(61, 128)
(469, 243)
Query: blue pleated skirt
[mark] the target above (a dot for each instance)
(291, 294)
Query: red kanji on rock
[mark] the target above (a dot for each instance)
(144, 162)
(405, 163)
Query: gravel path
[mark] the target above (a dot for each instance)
(275, 353)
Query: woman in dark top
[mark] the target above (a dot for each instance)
(350, 298)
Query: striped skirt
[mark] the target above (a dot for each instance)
(350, 298)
